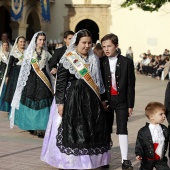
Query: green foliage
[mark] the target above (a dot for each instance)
(146, 5)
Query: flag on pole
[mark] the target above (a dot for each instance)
(45, 10)
(16, 9)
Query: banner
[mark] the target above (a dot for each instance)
(45, 10)
(16, 9)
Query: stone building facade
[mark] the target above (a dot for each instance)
(141, 30)
(29, 23)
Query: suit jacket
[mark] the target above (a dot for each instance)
(125, 80)
(56, 57)
(167, 102)
(144, 144)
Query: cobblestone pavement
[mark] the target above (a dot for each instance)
(21, 151)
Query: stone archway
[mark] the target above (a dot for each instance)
(98, 13)
(33, 23)
(91, 26)
(5, 22)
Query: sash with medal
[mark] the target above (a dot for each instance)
(41, 75)
(73, 58)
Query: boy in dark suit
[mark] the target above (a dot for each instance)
(152, 139)
(119, 80)
(59, 52)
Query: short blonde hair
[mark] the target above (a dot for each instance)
(152, 107)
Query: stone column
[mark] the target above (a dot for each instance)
(44, 26)
(14, 26)
(22, 29)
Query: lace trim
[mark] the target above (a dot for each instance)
(77, 151)
(45, 57)
(17, 54)
(94, 69)
(4, 57)
(34, 104)
(68, 65)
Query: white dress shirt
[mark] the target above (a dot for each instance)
(157, 137)
(112, 63)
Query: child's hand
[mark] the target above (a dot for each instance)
(138, 158)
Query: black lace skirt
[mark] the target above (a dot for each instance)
(2, 71)
(36, 94)
(84, 127)
(12, 83)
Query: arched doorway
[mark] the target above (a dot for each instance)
(5, 22)
(91, 26)
(33, 25)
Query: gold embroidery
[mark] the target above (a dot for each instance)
(41, 75)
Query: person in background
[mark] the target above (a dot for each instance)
(98, 50)
(60, 44)
(119, 97)
(59, 52)
(4, 56)
(14, 66)
(145, 61)
(152, 139)
(156, 65)
(33, 95)
(163, 62)
(148, 52)
(4, 37)
(129, 53)
(166, 52)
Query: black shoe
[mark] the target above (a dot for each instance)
(40, 135)
(127, 165)
(105, 166)
(31, 131)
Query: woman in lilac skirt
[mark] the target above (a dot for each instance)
(77, 135)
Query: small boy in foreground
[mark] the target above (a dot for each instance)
(152, 139)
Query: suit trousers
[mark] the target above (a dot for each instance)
(121, 110)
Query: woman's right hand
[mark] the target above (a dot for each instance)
(105, 106)
(53, 71)
(60, 109)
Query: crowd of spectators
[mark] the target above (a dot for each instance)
(156, 66)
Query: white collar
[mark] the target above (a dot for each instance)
(113, 58)
(153, 125)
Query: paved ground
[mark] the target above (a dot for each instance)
(21, 151)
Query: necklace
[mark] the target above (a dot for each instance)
(38, 54)
(85, 58)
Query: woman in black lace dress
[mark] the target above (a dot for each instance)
(14, 66)
(83, 138)
(34, 94)
(4, 54)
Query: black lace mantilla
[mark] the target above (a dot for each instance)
(77, 151)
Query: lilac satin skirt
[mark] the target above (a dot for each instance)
(52, 155)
